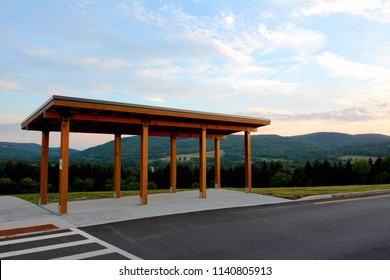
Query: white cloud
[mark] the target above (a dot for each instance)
(106, 64)
(235, 54)
(377, 10)
(155, 99)
(265, 111)
(98, 89)
(137, 10)
(367, 118)
(36, 50)
(296, 127)
(364, 88)
(59, 90)
(228, 20)
(267, 15)
(8, 86)
(338, 66)
(353, 114)
(227, 35)
(215, 33)
(159, 72)
(262, 87)
(291, 37)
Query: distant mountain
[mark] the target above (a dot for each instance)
(159, 147)
(292, 150)
(336, 140)
(28, 151)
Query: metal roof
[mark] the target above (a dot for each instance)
(99, 116)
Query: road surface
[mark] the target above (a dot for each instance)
(352, 228)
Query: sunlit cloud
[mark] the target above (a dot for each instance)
(228, 20)
(107, 64)
(338, 66)
(137, 9)
(291, 37)
(267, 15)
(6, 86)
(293, 63)
(377, 10)
(155, 99)
(59, 90)
(344, 115)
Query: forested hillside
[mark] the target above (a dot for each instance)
(22, 177)
(291, 151)
(27, 151)
(307, 160)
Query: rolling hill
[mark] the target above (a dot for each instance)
(292, 150)
(28, 151)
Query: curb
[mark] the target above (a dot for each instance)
(367, 193)
(24, 230)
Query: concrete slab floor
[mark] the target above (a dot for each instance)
(17, 213)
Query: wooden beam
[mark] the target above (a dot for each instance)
(144, 165)
(200, 125)
(174, 124)
(64, 166)
(44, 168)
(202, 164)
(248, 162)
(110, 119)
(117, 166)
(217, 162)
(185, 135)
(173, 171)
(37, 114)
(153, 111)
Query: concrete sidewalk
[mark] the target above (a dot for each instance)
(17, 213)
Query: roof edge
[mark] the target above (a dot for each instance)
(167, 109)
(37, 112)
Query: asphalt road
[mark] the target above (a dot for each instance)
(354, 228)
(63, 244)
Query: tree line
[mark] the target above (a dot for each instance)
(23, 177)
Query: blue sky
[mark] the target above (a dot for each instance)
(309, 66)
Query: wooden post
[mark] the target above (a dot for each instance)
(117, 166)
(202, 164)
(144, 164)
(64, 166)
(173, 165)
(44, 168)
(248, 162)
(217, 162)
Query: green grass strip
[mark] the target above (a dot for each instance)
(295, 193)
(289, 193)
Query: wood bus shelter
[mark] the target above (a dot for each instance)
(69, 114)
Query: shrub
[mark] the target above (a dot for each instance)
(28, 185)
(130, 183)
(7, 186)
(83, 184)
(152, 186)
(281, 180)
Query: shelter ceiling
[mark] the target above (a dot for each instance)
(97, 116)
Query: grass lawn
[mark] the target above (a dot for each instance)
(290, 193)
(295, 193)
(72, 196)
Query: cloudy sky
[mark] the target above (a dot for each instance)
(308, 66)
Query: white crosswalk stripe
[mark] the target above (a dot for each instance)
(15, 247)
(86, 255)
(107, 245)
(43, 248)
(35, 238)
